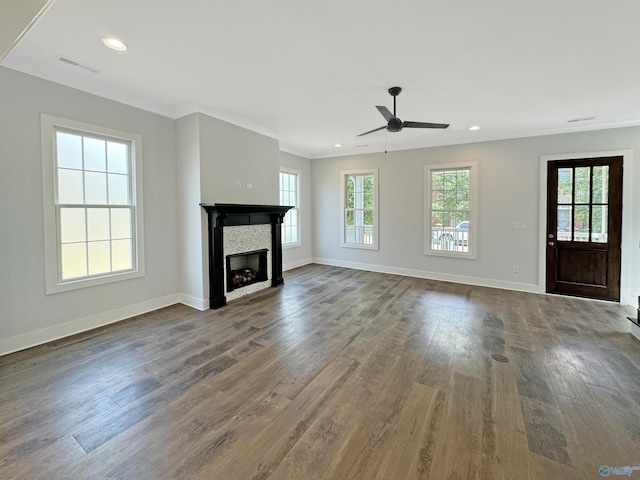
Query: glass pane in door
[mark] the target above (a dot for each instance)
(564, 217)
(600, 223)
(581, 223)
(600, 191)
(565, 186)
(582, 188)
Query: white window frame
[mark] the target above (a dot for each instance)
(54, 284)
(343, 192)
(472, 234)
(296, 207)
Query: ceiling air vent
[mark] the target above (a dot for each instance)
(581, 119)
(73, 63)
(69, 61)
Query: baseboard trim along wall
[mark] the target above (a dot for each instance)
(45, 335)
(201, 304)
(444, 277)
(296, 264)
(56, 332)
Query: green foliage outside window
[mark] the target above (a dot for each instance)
(450, 197)
(365, 193)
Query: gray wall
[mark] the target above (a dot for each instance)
(218, 163)
(509, 191)
(230, 154)
(27, 314)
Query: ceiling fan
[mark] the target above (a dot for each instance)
(394, 124)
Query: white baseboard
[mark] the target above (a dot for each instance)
(444, 277)
(296, 264)
(201, 304)
(39, 337)
(44, 335)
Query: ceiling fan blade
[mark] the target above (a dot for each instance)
(424, 125)
(371, 131)
(385, 112)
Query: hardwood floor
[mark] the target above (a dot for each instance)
(341, 374)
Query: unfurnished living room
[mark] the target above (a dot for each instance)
(319, 239)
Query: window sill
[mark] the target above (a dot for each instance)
(462, 255)
(360, 246)
(55, 287)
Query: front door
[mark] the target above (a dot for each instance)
(584, 227)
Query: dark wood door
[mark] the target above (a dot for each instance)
(584, 226)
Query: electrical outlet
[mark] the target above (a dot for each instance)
(515, 269)
(238, 184)
(249, 185)
(519, 225)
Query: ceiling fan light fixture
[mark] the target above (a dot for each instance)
(115, 44)
(394, 124)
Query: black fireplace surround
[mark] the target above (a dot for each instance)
(222, 215)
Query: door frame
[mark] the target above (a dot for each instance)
(626, 296)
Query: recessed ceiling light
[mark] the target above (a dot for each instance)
(115, 44)
(338, 145)
(474, 128)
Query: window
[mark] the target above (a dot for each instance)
(450, 206)
(92, 203)
(290, 195)
(360, 209)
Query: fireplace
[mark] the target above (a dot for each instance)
(244, 269)
(237, 230)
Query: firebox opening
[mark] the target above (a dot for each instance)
(246, 268)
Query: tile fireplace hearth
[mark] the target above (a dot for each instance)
(238, 229)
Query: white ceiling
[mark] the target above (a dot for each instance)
(309, 72)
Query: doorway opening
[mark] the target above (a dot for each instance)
(584, 227)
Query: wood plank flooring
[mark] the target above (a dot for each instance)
(340, 374)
